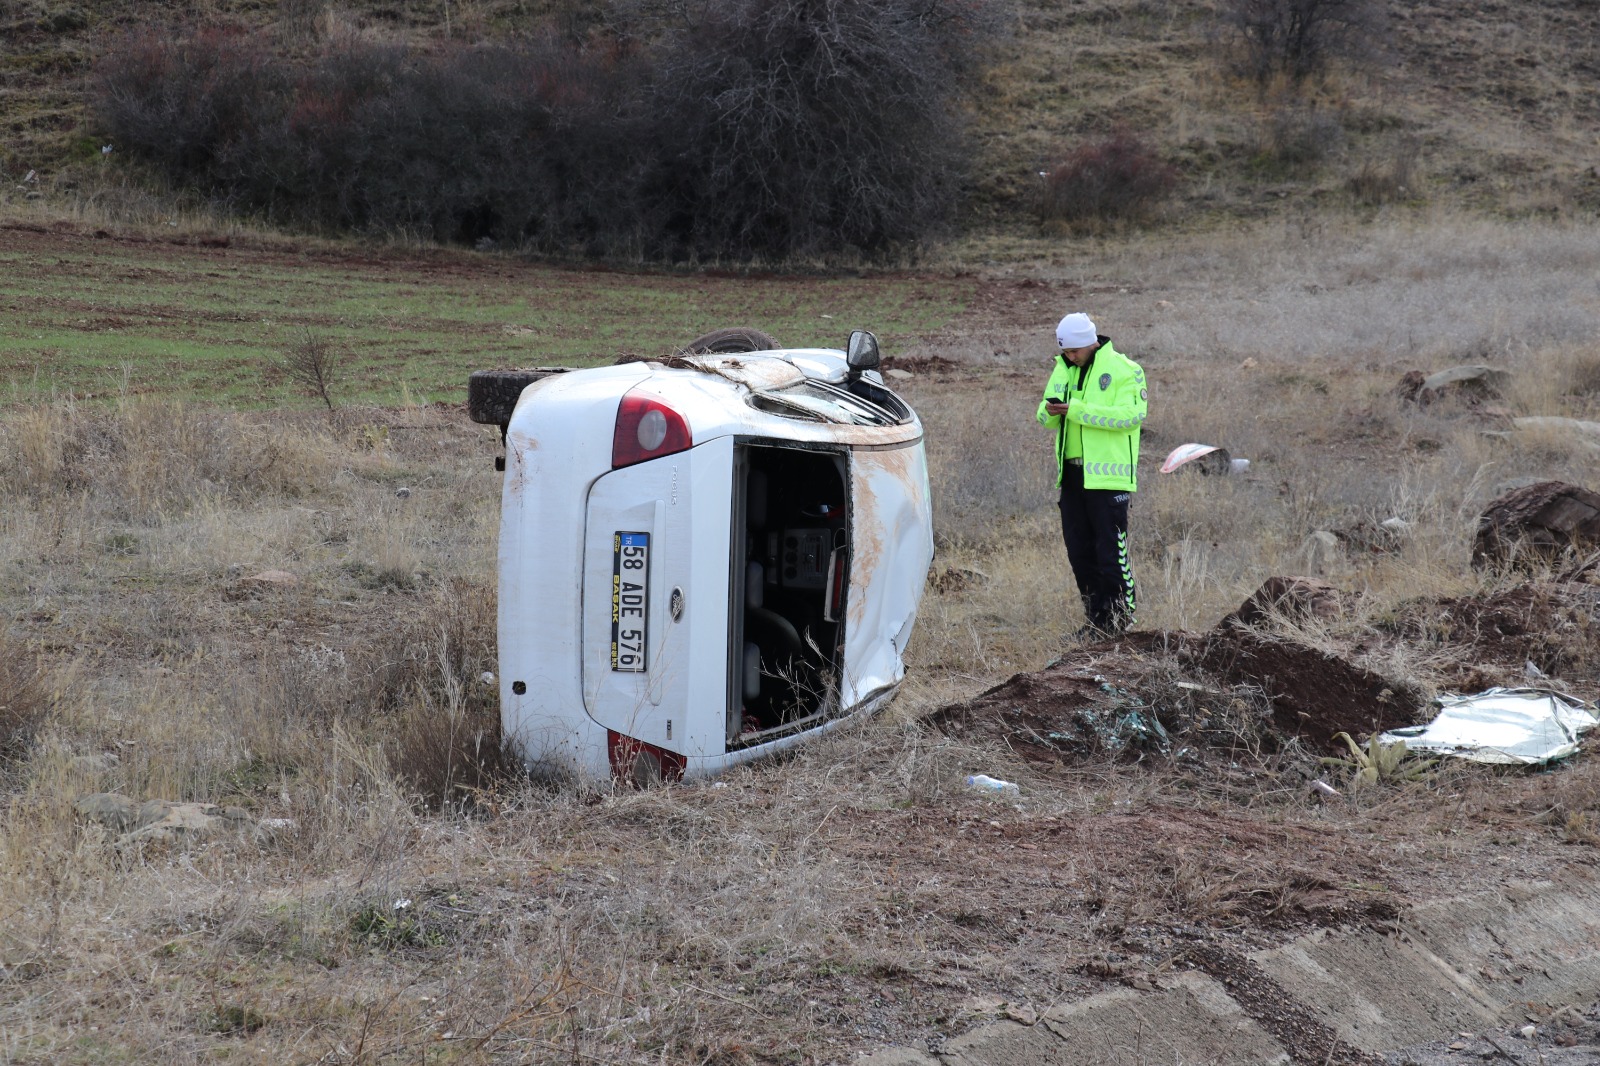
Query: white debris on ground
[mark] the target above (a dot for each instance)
(1500, 725)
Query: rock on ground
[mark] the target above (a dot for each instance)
(163, 821)
(1537, 523)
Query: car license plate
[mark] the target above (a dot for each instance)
(630, 600)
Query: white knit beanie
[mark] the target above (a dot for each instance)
(1076, 331)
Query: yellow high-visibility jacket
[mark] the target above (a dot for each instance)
(1107, 397)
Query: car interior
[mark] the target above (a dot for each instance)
(790, 577)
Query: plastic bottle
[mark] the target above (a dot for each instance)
(991, 784)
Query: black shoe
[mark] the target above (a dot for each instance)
(1087, 634)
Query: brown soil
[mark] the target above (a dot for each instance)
(1156, 693)
(1313, 694)
(1241, 712)
(928, 364)
(1550, 625)
(1149, 693)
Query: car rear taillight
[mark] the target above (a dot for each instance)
(646, 429)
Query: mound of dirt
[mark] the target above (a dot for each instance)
(1313, 694)
(1071, 710)
(1246, 682)
(1553, 625)
(1159, 693)
(1130, 696)
(1291, 598)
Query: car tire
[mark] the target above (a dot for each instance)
(492, 394)
(731, 341)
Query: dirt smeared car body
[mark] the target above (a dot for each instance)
(705, 560)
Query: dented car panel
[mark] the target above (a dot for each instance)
(706, 562)
(893, 538)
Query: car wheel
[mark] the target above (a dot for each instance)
(492, 394)
(731, 341)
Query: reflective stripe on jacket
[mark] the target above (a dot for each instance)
(1101, 427)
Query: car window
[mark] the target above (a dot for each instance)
(819, 401)
(882, 397)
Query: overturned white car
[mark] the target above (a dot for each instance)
(703, 559)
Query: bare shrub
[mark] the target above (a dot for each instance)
(465, 143)
(186, 103)
(1297, 138)
(450, 754)
(797, 126)
(313, 364)
(761, 129)
(1117, 178)
(1387, 181)
(513, 144)
(1295, 39)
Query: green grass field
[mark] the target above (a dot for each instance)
(93, 318)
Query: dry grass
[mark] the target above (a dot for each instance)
(1284, 345)
(23, 701)
(144, 460)
(424, 905)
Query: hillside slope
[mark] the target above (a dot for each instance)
(1482, 105)
(1487, 106)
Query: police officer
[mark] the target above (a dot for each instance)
(1095, 404)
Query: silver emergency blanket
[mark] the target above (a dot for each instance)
(1501, 725)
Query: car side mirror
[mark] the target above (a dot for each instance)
(862, 353)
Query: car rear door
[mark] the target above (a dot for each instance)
(655, 599)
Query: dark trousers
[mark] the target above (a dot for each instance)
(1094, 524)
